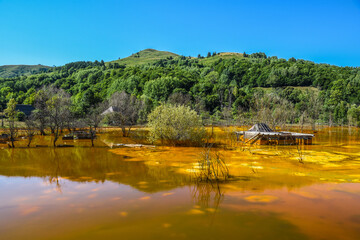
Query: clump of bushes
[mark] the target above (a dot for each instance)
(175, 125)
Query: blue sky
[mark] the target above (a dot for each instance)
(58, 32)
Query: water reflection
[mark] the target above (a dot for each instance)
(87, 164)
(102, 193)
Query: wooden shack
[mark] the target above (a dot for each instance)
(262, 134)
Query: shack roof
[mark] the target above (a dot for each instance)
(260, 127)
(262, 130)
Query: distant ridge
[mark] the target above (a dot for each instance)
(9, 71)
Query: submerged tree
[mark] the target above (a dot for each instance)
(41, 113)
(126, 111)
(175, 125)
(11, 114)
(314, 107)
(354, 116)
(94, 118)
(270, 108)
(58, 108)
(30, 129)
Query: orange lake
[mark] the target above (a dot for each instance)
(149, 193)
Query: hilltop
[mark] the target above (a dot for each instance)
(221, 55)
(147, 56)
(9, 71)
(152, 55)
(144, 57)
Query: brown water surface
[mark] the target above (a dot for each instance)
(276, 192)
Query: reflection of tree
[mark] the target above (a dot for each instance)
(11, 154)
(54, 177)
(207, 196)
(85, 164)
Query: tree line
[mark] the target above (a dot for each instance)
(250, 88)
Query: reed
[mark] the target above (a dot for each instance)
(211, 166)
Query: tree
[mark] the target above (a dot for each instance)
(175, 125)
(314, 107)
(58, 107)
(30, 130)
(270, 108)
(161, 88)
(11, 114)
(179, 98)
(94, 118)
(41, 113)
(126, 111)
(354, 116)
(208, 54)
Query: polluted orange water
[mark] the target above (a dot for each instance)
(276, 192)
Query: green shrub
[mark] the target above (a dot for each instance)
(175, 125)
(20, 116)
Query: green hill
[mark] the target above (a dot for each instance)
(9, 71)
(231, 82)
(144, 57)
(222, 55)
(151, 56)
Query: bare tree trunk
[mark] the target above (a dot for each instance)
(56, 136)
(12, 141)
(129, 129)
(92, 135)
(313, 125)
(123, 131)
(42, 129)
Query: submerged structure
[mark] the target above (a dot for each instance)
(262, 134)
(79, 135)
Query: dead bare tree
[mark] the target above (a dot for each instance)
(94, 118)
(58, 107)
(179, 98)
(314, 105)
(270, 108)
(126, 111)
(302, 120)
(11, 114)
(30, 129)
(41, 113)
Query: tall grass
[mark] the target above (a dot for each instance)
(211, 166)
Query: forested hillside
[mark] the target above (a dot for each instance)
(9, 71)
(224, 86)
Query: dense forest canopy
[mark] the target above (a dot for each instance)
(9, 71)
(221, 86)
